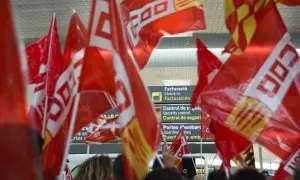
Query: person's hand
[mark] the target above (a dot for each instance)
(168, 157)
(197, 177)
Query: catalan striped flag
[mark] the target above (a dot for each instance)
(241, 17)
(241, 20)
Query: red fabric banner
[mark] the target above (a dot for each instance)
(105, 130)
(45, 65)
(19, 157)
(140, 134)
(288, 166)
(227, 146)
(147, 21)
(289, 2)
(58, 123)
(179, 148)
(171, 17)
(208, 67)
(205, 123)
(256, 94)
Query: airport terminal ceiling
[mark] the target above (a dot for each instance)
(175, 57)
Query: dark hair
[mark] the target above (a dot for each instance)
(163, 174)
(296, 174)
(118, 168)
(217, 175)
(95, 168)
(248, 174)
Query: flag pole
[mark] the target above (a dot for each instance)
(45, 114)
(190, 154)
(47, 77)
(71, 129)
(260, 158)
(159, 160)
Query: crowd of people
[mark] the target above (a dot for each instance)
(101, 167)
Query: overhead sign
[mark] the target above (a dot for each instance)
(181, 113)
(191, 131)
(79, 138)
(171, 94)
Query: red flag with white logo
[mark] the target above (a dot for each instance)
(19, 157)
(103, 131)
(90, 105)
(256, 94)
(288, 166)
(140, 135)
(58, 123)
(45, 65)
(179, 148)
(146, 21)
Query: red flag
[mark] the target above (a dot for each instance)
(140, 134)
(208, 66)
(105, 130)
(97, 71)
(179, 148)
(205, 123)
(144, 33)
(36, 60)
(256, 93)
(289, 2)
(147, 21)
(96, 79)
(288, 166)
(19, 158)
(46, 57)
(58, 124)
(68, 172)
(232, 144)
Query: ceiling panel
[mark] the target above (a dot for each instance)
(33, 16)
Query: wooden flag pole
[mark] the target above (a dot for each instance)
(71, 129)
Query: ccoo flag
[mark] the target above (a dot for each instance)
(179, 148)
(146, 21)
(58, 123)
(257, 93)
(45, 65)
(140, 135)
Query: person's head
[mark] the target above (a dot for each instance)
(217, 175)
(95, 168)
(248, 174)
(265, 173)
(296, 174)
(118, 168)
(163, 174)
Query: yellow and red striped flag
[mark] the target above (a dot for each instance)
(241, 20)
(241, 17)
